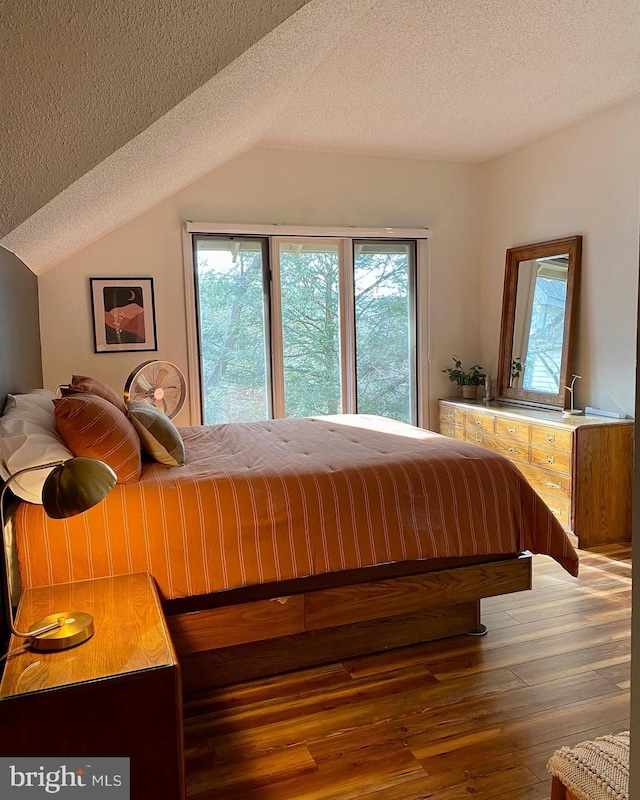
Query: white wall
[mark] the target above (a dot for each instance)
(584, 180)
(266, 185)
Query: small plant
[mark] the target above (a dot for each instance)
(474, 376)
(516, 368)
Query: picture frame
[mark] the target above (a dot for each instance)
(123, 311)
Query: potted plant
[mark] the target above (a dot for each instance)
(468, 380)
(517, 368)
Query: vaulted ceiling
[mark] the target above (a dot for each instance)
(109, 107)
(80, 79)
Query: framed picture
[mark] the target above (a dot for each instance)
(123, 315)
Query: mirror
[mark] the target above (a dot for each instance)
(538, 307)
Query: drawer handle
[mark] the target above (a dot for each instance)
(450, 414)
(479, 439)
(478, 422)
(550, 437)
(450, 431)
(512, 449)
(557, 512)
(552, 485)
(511, 429)
(551, 459)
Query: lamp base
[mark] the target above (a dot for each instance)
(77, 628)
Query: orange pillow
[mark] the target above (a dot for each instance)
(80, 383)
(92, 426)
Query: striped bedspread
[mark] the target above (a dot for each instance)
(280, 499)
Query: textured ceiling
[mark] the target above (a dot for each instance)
(80, 79)
(465, 80)
(462, 80)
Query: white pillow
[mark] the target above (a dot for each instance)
(35, 399)
(28, 438)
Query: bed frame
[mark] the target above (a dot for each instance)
(260, 631)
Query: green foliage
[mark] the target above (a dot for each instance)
(471, 377)
(516, 368)
(383, 372)
(310, 332)
(231, 321)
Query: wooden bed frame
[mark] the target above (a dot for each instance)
(328, 618)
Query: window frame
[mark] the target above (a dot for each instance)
(346, 236)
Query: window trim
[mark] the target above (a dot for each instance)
(277, 233)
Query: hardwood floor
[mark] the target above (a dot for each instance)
(446, 720)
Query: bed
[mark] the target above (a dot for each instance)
(292, 542)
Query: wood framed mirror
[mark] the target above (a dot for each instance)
(538, 320)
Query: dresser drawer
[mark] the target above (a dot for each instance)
(450, 414)
(513, 429)
(543, 436)
(551, 484)
(451, 430)
(559, 508)
(556, 460)
(516, 451)
(479, 420)
(490, 442)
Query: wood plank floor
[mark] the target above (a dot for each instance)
(447, 720)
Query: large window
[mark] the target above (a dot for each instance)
(299, 326)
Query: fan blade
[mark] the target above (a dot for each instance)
(162, 374)
(139, 392)
(143, 382)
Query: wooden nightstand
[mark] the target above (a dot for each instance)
(118, 694)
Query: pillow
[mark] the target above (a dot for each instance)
(36, 403)
(28, 438)
(159, 436)
(80, 383)
(92, 426)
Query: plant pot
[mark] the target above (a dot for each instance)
(469, 392)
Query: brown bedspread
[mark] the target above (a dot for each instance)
(275, 500)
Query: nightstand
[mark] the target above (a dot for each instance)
(118, 694)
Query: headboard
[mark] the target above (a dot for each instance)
(20, 355)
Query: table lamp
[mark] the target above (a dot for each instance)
(72, 487)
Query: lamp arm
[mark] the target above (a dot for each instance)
(5, 564)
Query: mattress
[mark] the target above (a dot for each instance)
(281, 499)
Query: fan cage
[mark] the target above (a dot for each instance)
(158, 383)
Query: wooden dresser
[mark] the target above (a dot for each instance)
(580, 466)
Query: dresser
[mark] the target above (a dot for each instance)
(580, 466)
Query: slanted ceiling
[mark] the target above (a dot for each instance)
(113, 106)
(80, 79)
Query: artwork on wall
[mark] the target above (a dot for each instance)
(123, 314)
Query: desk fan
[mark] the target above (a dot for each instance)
(159, 383)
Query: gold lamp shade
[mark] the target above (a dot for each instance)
(75, 486)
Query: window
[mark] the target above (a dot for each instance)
(232, 325)
(288, 326)
(309, 303)
(384, 286)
